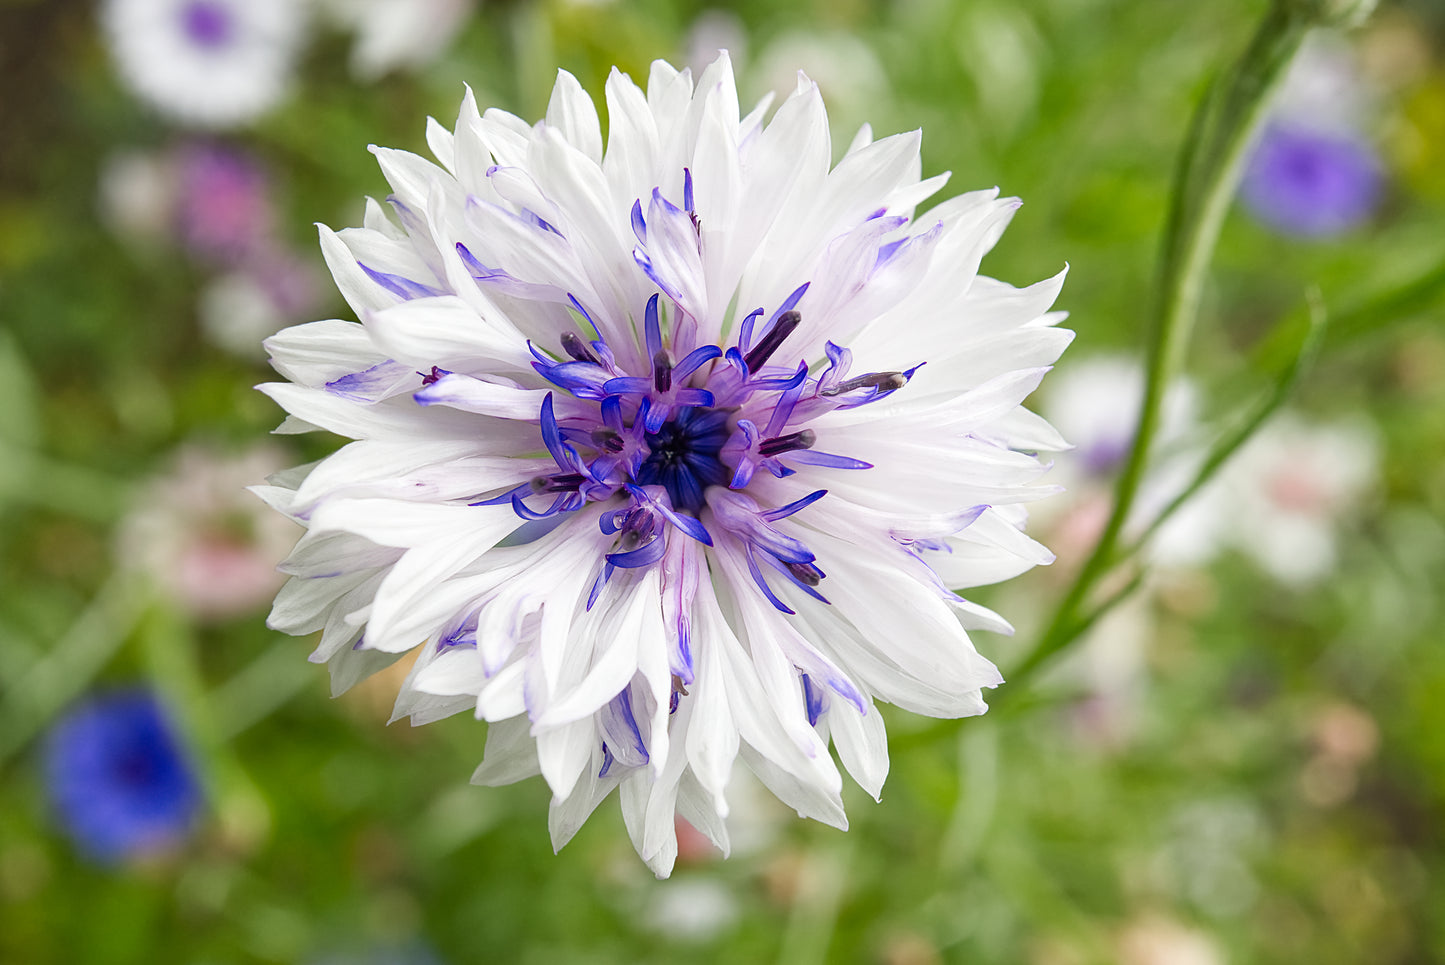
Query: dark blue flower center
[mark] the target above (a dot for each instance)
(684, 457)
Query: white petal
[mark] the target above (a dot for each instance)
(509, 756)
(452, 672)
(564, 753)
(446, 332)
(319, 352)
(862, 744)
(572, 112)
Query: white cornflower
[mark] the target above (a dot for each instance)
(210, 63)
(666, 455)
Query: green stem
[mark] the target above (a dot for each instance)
(257, 691)
(1421, 295)
(172, 659)
(814, 916)
(1211, 164)
(73, 662)
(1225, 449)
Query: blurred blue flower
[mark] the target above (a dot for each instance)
(1312, 183)
(120, 783)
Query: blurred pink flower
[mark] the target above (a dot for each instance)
(223, 202)
(1291, 486)
(205, 543)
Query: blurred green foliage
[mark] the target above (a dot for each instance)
(1220, 819)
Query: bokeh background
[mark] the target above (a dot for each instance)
(1244, 763)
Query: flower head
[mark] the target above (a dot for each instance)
(667, 454)
(120, 782)
(210, 63)
(1313, 183)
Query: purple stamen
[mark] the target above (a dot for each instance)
(668, 440)
(608, 440)
(578, 349)
(758, 355)
(806, 573)
(782, 512)
(788, 443)
(639, 226)
(560, 483)
(882, 381)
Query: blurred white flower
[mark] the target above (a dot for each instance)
(1325, 86)
(209, 63)
(201, 539)
(239, 308)
(667, 455)
(1290, 487)
(137, 196)
(1110, 665)
(398, 34)
(713, 32)
(840, 62)
(695, 909)
(1153, 939)
(1211, 854)
(1094, 403)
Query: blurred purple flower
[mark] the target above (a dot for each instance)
(120, 783)
(1312, 183)
(223, 204)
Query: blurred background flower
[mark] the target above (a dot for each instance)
(1311, 182)
(206, 544)
(208, 63)
(119, 779)
(1293, 487)
(1315, 171)
(397, 34)
(223, 206)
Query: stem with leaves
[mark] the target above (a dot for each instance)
(1210, 167)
